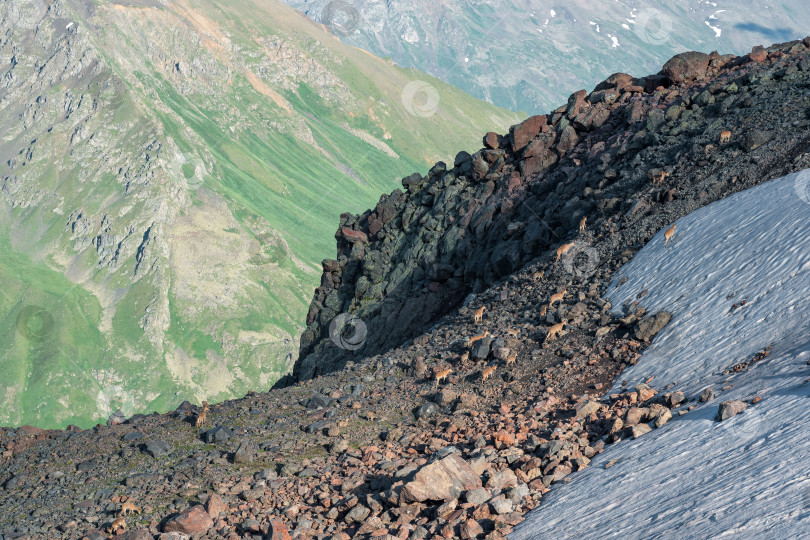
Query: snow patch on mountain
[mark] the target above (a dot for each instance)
(736, 278)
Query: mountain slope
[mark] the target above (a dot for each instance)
(455, 231)
(746, 476)
(169, 174)
(526, 55)
(383, 447)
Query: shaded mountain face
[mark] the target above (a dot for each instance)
(170, 177)
(529, 55)
(618, 154)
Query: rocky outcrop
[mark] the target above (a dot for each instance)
(424, 248)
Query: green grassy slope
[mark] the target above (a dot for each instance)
(171, 224)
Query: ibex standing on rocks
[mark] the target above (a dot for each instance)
(554, 331)
(557, 297)
(478, 314)
(582, 224)
(563, 249)
(442, 375)
(477, 338)
(487, 373)
(201, 417)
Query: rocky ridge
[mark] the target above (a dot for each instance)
(633, 155)
(381, 448)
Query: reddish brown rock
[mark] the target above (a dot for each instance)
(806, 42)
(31, 431)
(577, 104)
(470, 529)
(686, 66)
(195, 520)
(491, 140)
(441, 480)
(617, 80)
(353, 236)
(758, 54)
(278, 531)
(215, 505)
(523, 133)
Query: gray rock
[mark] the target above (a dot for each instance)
(218, 434)
(427, 410)
(502, 506)
(246, 453)
(358, 514)
(728, 409)
(648, 327)
(477, 496)
(707, 395)
(157, 448)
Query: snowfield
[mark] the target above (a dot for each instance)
(746, 477)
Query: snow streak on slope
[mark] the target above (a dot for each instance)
(747, 477)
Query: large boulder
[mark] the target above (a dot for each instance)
(523, 133)
(194, 521)
(686, 66)
(441, 480)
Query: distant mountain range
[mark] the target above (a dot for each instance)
(172, 175)
(528, 55)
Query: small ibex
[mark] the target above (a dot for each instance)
(563, 249)
(511, 359)
(487, 373)
(442, 375)
(477, 338)
(668, 235)
(201, 417)
(464, 356)
(478, 313)
(660, 177)
(128, 508)
(557, 297)
(725, 137)
(514, 332)
(118, 525)
(543, 311)
(539, 275)
(582, 224)
(554, 331)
